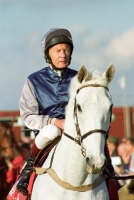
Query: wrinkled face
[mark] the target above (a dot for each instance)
(60, 55)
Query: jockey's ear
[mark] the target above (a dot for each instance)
(109, 73)
(82, 74)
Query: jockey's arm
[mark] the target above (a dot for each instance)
(29, 110)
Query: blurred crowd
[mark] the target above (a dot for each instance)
(15, 165)
(122, 156)
(121, 153)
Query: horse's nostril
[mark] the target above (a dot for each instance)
(87, 159)
(89, 167)
(95, 167)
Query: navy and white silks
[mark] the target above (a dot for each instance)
(45, 96)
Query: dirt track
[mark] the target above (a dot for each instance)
(124, 195)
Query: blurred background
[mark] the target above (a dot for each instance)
(103, 33)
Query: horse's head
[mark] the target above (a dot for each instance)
(92, 103)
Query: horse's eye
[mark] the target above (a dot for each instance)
(79, 108)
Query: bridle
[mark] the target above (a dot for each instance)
(79, 139)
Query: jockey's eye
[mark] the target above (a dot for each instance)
(79, 108)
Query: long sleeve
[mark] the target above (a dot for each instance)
(29, 109)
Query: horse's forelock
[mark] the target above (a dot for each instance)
(95, 77)
(100, 80)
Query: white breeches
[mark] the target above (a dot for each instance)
(46, 135)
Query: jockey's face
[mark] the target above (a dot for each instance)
(60, 55)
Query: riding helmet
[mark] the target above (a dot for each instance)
(53, 37)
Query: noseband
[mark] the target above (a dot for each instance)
(79, 139)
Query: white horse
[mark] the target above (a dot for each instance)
(78, 159)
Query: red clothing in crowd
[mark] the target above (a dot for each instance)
(12, 174)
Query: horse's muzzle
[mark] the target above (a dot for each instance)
(95, 168)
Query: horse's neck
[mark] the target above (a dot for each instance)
(68, 162)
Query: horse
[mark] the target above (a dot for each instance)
(73, 168)
(8, 153)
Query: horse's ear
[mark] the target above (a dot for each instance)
(82, 74)
(109, 73)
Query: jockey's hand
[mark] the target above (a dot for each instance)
(60, 123)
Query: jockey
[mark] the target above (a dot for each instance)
(44, 97)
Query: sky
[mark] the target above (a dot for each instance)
(102, 31)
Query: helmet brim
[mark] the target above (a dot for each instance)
(59, 40)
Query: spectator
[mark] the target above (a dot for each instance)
(130, 151)
(24, 149)
(112, 145)
(122, 152)
(116, 159)
(126, 151)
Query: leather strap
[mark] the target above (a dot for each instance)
(66, 185)
(46, 149)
